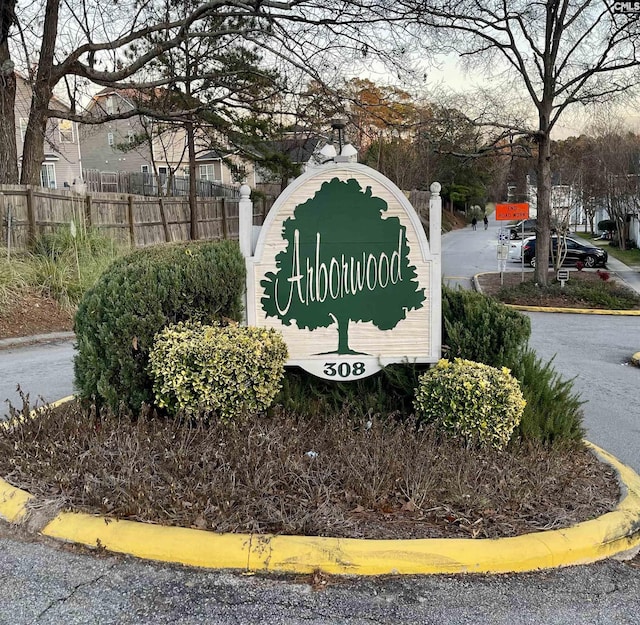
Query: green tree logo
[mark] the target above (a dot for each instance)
(343, 262)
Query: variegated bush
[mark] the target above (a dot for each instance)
(226, 370)
(480, 404)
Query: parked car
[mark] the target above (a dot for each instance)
(515, 249)
(588, 254)
(515, 232)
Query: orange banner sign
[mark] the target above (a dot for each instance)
(511, 212)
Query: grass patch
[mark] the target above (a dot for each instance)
(628, 257)
(336, 474)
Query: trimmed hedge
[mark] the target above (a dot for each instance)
(480, 404)
(228, 370)
(139, 295)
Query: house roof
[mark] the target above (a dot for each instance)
(211, 155)
(298, 149)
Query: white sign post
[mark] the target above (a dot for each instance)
(563, 276)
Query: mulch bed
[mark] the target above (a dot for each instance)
(282, 473)
(32, 313)
(492, 283)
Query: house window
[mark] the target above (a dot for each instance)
(48, 175)
(131, 136)
(144, 169)
(211, 171)
(65, 130)
(110, 138)
(23, 127)
(110, 105)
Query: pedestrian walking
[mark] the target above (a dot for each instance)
(486, 222)
(474, 223)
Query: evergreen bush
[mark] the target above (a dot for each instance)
(553, 411)
(476, 402)
(137, 296)
(607, 225)
(228, 370)
(477, 327)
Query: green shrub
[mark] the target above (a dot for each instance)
(477, 327)
(479, 403)
(228, 370)
(390, 390)
(607, 225)
(553, 411)
(135, 298)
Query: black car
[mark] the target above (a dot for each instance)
(586, 253)
(517, 231)
(529, 230)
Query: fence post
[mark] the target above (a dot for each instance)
(87, 210)
(225, 225)
(165, 226)
(31, 219)
(132, 236)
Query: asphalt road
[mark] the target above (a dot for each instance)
(44, 371)
(49, 586)
(48, 583)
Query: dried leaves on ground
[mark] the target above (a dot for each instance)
(283, 473)
(31, 313)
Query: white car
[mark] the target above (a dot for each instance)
(515, 249)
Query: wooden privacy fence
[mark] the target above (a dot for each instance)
(27, 212)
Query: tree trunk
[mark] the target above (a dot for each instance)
(33, 151)
(8, 150)
(544, 203)
(193, 196)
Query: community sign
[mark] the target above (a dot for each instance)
(343, 269)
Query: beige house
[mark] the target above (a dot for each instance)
(141, 144)
(62, 165)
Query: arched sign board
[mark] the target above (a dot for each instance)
(342, 267)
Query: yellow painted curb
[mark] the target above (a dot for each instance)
(608, 535)
(578, 311)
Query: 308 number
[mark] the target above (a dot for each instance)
(343, 369)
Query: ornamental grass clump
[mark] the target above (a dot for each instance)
(476, 402)
(227, 370)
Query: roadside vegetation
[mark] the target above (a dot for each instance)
(630, 257)
(376, 458)
(584, 289)
(61, 265)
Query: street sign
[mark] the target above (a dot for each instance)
(511, 212)
(563, 276)
(503, 251)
